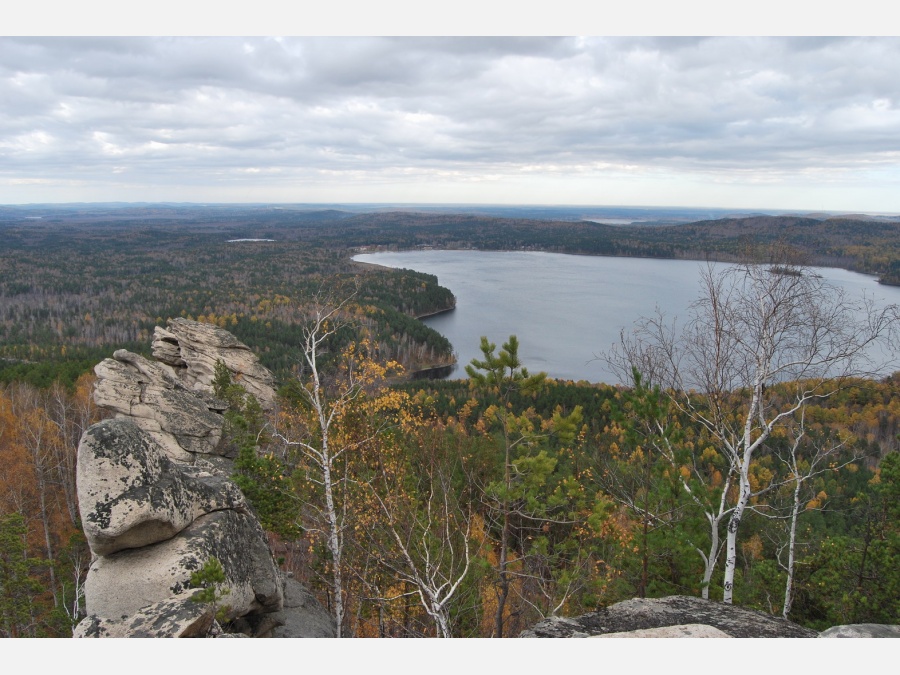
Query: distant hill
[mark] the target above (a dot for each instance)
(870, 245)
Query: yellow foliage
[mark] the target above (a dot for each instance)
(753, 547)
(709, 454)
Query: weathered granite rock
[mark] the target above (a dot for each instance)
(862, 630)
(676, 610)
(690, 630)
(302, 615)
(156, 502)
(176, 617)
(124, 583)
(131, 494)
(191, 349)
(149, 394)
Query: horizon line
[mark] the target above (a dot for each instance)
(394, 204)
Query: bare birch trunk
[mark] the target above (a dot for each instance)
(334, 547)
(792, 538)
(709, 560)
(731, 553)
(737, 514)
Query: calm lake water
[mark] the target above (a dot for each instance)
(566, 310)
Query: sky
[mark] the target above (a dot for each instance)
(800, 123)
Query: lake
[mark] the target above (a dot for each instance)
(566, 310)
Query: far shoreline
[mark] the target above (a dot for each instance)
(723, 260)
(440, 311)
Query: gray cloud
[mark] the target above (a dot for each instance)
(250, 113)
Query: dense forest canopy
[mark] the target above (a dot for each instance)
(77, 281)
(465, 508)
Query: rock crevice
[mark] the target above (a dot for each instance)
(192, 349)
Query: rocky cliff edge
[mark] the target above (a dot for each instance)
(156, 501)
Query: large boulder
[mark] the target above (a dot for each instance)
(175, 617)
(690, 630)
(302, 616)
(677, 610)
(131, 494)
(151, 522)
(192, 350)
(123, 583)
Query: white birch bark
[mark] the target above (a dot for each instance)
(327, 408)
(435, 557)
(819, 452)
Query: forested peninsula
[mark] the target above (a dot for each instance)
(526, 497)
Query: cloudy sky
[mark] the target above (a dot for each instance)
(787, 123)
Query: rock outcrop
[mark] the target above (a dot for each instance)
(124, 583)
(182, 422)
(862, 630)
(192, 349)
(169, 618)
(299, 618)
(674, 611)
(156, 501)
(690, 630)
(132, 495)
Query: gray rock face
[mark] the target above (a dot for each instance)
(151, 522)
(156, 502)
(302, 616)
(690, 630)
(132, 495)
(191, 349)
(169, 618)
(182, 422)
(123, 583)
(676, 610)
(172, 399)
(862, 630)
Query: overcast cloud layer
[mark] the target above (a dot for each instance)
(800, 123)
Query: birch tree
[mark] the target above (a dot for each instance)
(699, 473)
(317, 447)
(808, 456)
(72, 414)
(41, 440)
(325, 430)
(755, 325)
(429, 526)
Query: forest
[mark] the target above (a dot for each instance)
(761, 467)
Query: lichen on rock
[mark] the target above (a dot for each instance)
(157, 503)
(640, 614)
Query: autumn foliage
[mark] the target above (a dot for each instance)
(43, 552)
